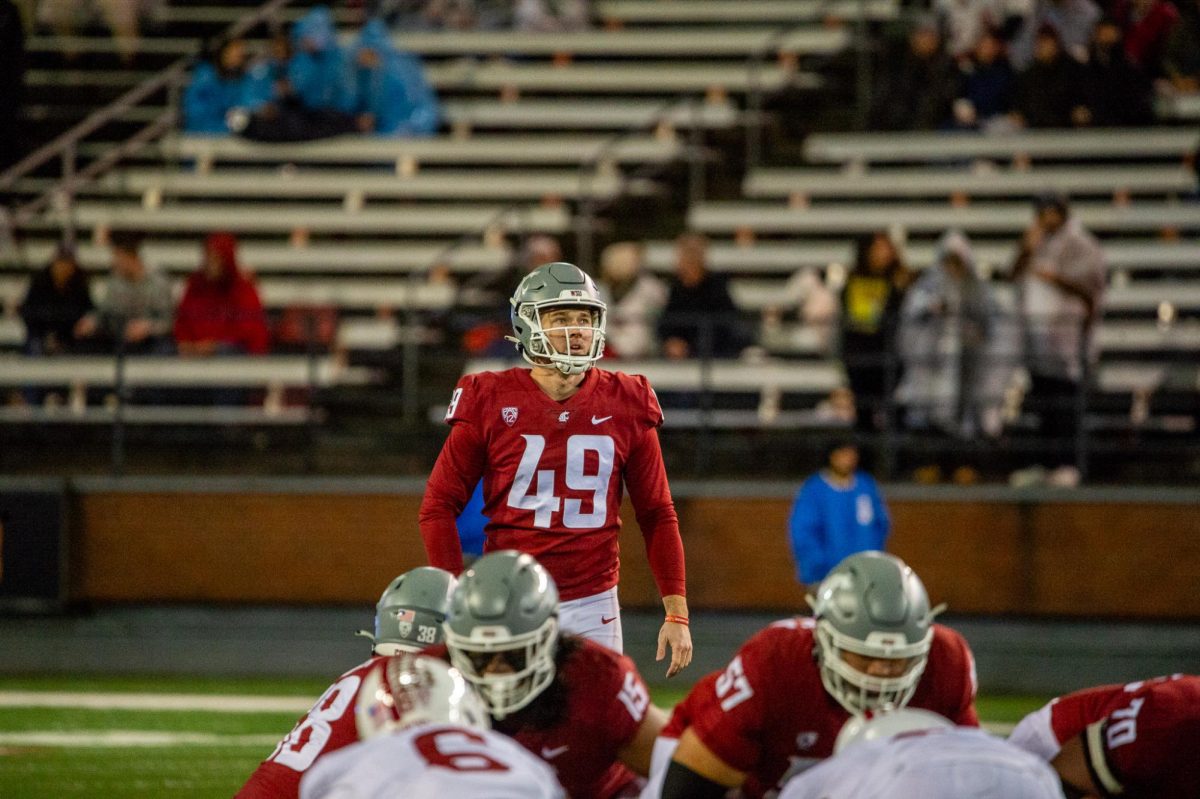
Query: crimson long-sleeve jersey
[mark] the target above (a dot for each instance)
(553, 477)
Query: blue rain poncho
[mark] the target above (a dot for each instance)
(395, 92)
(210, 96)
(315, 71)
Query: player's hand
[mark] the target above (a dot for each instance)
(679, 638)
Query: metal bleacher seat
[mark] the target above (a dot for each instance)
(694, 41)
(1008, 218)
(493, 149)
(267, 258)
(782, 257)
(740, 11)
(161, 371)
(926, 182)
(1077, 145)
(1178, 106)
(279, 218)
(573, 114)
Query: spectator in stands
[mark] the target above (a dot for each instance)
(551, 16)
(136, 310)
(1072, 20)
(966, 21)
(316, 71)
(121, 16)
(57, 298)
(809, 299)
(946, 322)
(837, 512)
(220, 313)
(1117, 92)
(986, 86)
(485, 336)
(1148, 25)
(635, 300)
(1059, 273)
(917, 88)
(451, 15)
(1051, 93)
(870, 308)
(222, 87)
(12, 84)
(700, 319)
(1181, 57)
(385, 90)
(537, 249)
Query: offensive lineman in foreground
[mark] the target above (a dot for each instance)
(556, 446)
(777, 708)
(408, 617)
(425, 735)
(1136, 741)
(915, 753)
(579, 706)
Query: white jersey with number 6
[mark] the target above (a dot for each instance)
(932, 764)
(432, 761)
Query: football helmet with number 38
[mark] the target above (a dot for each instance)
(408, 689)
(410, 612)
(872, 605)
(502, 629)
(556, 285)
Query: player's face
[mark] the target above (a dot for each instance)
(886, 668)
(569, 328)
(509, 662)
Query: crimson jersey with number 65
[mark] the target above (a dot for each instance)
(768, 714)
(1141, 740)
(432, 761)
(328, 726)
(553, 477)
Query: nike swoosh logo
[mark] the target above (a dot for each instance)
(550, 754)
(596, 420)
(607, 621)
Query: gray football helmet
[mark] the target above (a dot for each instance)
(872, 604)
(502, 629)
(409, 614)
(413, 689)
(550, 285)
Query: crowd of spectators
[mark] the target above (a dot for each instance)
(220, 312)
(1002, 64)
(310, 86)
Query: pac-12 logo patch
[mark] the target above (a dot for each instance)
(509, 415)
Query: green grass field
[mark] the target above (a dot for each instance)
(71, 751)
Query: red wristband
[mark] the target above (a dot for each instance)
(671, 617)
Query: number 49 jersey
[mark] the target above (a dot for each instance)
(1141, 740)
(553, 477)
(328, 726)
(432, 761)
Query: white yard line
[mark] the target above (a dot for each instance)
(131, 738)
(212, 703)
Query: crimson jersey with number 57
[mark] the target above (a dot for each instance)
(768, 714)
(553, 477)
(328, 726)
(432, 761)
(1141, 740)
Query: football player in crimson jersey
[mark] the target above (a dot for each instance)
(580, 706)
(1140, 740)
(777, 708)
(556, 446)
(408, 618)
(425, 735)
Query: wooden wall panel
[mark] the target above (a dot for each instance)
(990, 557)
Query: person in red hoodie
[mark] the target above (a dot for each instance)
(220, 312)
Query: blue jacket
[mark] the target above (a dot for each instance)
(315, 70)
(395, 92)
(829, 523)
(471, 522)
(209, 97)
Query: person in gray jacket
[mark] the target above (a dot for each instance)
(1060, 277)
(136, 308)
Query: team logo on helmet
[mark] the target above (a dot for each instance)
(509, 415)
(405, 628)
